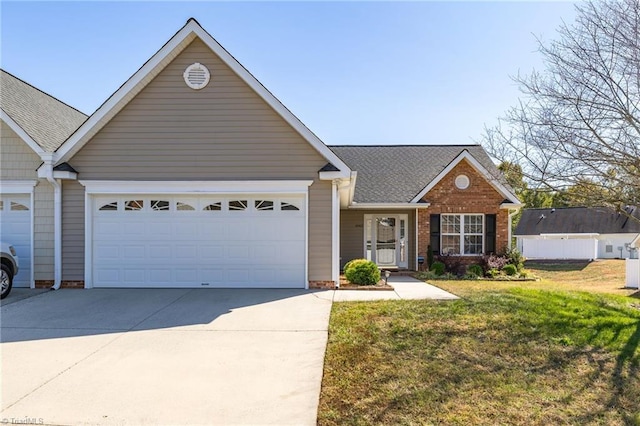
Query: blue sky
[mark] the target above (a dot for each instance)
(353, 72)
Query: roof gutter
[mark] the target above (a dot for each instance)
(381, 206)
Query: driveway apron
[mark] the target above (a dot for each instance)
(167, 356)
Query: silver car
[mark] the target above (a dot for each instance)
(10, 267)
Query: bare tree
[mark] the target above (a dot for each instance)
(578, 122)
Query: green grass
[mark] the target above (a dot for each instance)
(503, 355)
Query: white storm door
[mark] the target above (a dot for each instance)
(386, 240)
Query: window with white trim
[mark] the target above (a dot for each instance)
(462, 234)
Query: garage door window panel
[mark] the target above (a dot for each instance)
(160, 205)
(18, 207)
(133, 205)
(112, 206)
(264, 205)
(237, 205)
(213, 207)
(285, 206)
(182, 206)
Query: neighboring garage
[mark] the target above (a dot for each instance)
(191, 240)
(15, 229)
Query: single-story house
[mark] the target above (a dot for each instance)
(192, 174)
(577, 233)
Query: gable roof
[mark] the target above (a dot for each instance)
(156, 64)
(399, 173)
(41, 120)
(577, 220)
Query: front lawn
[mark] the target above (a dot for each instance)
(506, 353)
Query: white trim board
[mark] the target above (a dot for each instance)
(17, 186)
(196, 187)
(157, 62)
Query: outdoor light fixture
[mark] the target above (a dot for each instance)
(387, 273)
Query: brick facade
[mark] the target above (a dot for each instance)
(479, 197)
(64, 284)
(324, 285)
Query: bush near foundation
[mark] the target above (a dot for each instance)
(362, 272)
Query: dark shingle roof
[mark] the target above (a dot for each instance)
(397, 173)
(577, 220)
(47, 120)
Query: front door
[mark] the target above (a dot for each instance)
(386, 240)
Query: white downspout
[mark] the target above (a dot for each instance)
(511, 213)
(335, 231)
(57, 223)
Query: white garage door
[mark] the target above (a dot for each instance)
(199, 241)
(15, 229)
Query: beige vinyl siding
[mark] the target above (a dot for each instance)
(17, 159)
(72, 231)
(43, 231)
(222, 132)
(320, 231)
(352, 233)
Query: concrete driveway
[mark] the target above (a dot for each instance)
(169, 356)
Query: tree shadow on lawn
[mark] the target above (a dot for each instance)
(558, 265)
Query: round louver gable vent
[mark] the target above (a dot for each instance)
(196, 76)
(462, 182)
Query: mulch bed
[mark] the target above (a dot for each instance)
(346, 285)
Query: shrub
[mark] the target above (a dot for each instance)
(429, 256)
(493, 272)
(475, 270)
(510, 269)
(362, 271)
(452, 264)
(493, 261)
(437, 267)
(347, 265)
(515, 258)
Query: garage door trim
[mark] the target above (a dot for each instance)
(219, 188)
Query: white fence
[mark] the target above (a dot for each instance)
(557, 248)
(633, 273)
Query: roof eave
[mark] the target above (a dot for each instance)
(21, 133)
(382, 206)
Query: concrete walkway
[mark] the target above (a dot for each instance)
(404, 288)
